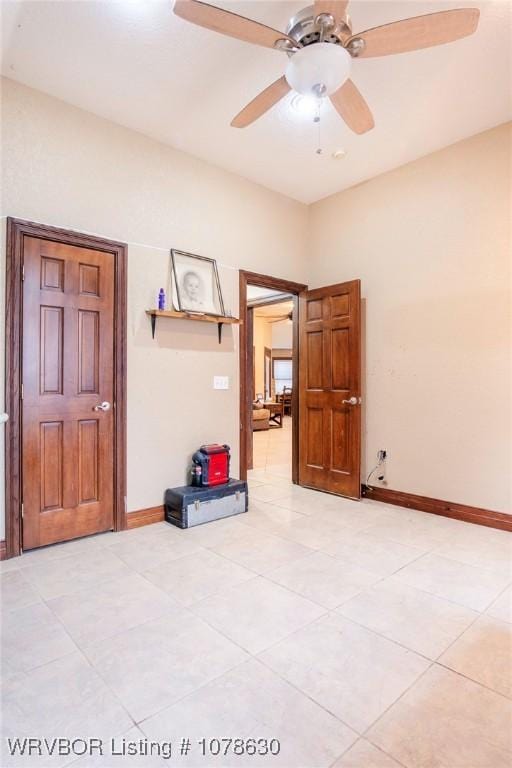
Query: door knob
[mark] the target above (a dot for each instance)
(105, 406)
(351, 401)
(4, 417)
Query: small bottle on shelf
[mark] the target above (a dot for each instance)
(161, 299)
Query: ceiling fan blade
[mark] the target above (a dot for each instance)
(353, 108)
(418, 32)
(228, 23)
(335, 8)
(262, 103)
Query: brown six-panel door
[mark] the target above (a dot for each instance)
(68, 370)
(330, 389)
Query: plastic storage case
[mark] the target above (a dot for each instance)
(188, 506)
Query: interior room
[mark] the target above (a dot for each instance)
(271, 315)
(255, 429)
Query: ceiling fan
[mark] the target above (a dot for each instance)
(280, 318)
(320, 46)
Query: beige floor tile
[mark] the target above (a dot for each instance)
(140, 555)
(484, 653)
(422, 622)
(159, 662)
(304, 501)
(268, 478)
(311, 531)
(473, 587)
(324, 579)
(365, 755)
(64, 698)
(447, 721)
(66, 549)
(257, 613)
(260, 552)
(67, 575)
(502, 606)
(481, 547)
(253, 702)
(33, 636)
(197, 576)
(411, 532)
(349, 670)
(111, 607)
(268, 518)
(377, 554)
(283, 470)
(269, 492)
(16, 592)
(7, 566)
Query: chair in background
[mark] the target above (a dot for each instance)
(286, 399)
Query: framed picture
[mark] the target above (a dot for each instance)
(195, 284)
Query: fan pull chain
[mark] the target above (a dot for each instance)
(318, 122)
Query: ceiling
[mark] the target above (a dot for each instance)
(136, 63)
(274, 311)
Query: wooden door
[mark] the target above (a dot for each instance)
(330, 389)
(68, 373)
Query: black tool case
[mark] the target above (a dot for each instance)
(188, 506)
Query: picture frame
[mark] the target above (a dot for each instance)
(195, 284)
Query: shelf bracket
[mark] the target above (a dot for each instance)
(153, 325)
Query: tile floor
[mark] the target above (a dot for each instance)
(272, 449)
(357, 634)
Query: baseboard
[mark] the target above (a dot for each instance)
(3, 550)
(437, 507)
(144, 517)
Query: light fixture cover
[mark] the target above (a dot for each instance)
(321, 64)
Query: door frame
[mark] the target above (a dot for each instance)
(285, 286)
(17, 230)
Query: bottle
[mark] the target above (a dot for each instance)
(161, 299)
(197, 472)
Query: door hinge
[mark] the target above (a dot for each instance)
(22, 272)
(22, 392)
(22, 510)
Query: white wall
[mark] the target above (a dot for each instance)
(63, 166)
(431, 244)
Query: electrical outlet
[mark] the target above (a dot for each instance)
(382, 455)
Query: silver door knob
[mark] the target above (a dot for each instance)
(105, 406)
(4, 417)
(350, 401)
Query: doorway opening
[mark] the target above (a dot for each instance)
(269, 349)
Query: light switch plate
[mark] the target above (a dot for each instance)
(221, 382)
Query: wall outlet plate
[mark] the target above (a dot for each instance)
(221, 382)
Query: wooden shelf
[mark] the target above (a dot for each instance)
(220, 320)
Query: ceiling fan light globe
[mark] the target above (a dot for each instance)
(318, 69)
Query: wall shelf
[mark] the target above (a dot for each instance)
(202, 318)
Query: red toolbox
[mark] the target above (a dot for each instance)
(211, 465)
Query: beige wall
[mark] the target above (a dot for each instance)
(282, 335)
(63, 166)
(262, 339)
(431, 244)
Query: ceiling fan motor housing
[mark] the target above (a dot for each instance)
(303, 28)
